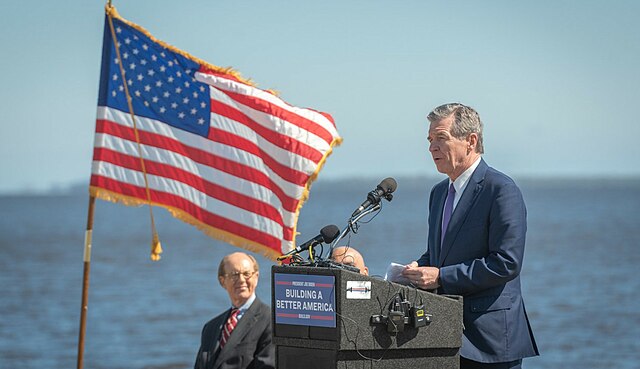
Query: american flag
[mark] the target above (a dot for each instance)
(233, 160)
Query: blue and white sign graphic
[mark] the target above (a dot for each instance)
(303, 299)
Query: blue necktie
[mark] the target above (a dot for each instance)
(448, 209)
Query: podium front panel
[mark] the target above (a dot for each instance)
(354, 334)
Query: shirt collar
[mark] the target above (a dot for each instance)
(461, 182)
(247, 304)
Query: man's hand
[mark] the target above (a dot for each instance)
(422, 277)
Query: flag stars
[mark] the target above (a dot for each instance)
(118, 29)
(161, 82)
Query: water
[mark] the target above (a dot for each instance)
(579, 278)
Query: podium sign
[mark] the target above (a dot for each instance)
(307, 300)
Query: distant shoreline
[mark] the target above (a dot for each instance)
(79, 189)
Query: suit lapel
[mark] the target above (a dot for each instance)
(462, 209)
(440, 196)
(215, 346)
(240, 331)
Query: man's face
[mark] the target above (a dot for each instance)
(450, 154)
(240, 278)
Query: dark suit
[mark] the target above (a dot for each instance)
(249, 345)
(481, 259)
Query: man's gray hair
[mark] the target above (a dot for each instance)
(465, 121)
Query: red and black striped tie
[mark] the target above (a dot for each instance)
(231, 323)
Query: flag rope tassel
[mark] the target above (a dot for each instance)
(156, 247)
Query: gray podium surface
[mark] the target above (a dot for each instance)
(355, 342)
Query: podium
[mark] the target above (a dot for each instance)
(335, 318)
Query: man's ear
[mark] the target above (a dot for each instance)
(472, 141)
(221, 280)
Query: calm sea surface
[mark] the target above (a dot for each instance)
(580, 276)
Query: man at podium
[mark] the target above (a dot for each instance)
(477, 227)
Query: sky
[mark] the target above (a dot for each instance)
(556, 83)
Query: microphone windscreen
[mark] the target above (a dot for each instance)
(388, 185)
(329, 233)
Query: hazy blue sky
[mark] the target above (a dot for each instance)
(557, 83)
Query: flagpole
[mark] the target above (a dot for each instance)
(85, 281)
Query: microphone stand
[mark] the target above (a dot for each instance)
(352, 222)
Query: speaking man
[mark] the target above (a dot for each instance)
(477, 227)
(240, 337)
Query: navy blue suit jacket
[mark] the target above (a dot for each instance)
(480, 259)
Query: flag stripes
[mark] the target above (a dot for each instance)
(234, 160)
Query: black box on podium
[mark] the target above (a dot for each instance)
(335, 318)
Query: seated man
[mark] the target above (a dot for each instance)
(240, 337)
(349, 256)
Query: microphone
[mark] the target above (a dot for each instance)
(327, 235)
(383, 190)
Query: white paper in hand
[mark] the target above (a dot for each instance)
(394, 274)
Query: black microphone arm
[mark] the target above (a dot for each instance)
(383, 191)
(327, 235)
